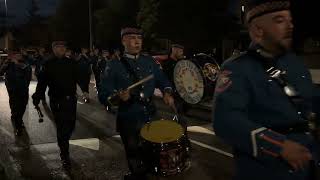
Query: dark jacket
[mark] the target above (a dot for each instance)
(251, 108)
(17, 77)
(116, 77)
(61, 75)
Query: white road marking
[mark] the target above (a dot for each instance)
(211, 148)
(199, 129)
(91, 143)
(217, 150)
(116, 136)
(80, 102)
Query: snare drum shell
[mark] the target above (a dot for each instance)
(157, 156)
(167, 157)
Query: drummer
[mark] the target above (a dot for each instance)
(176, 53)
(136, 106)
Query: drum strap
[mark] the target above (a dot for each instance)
(279, 76)
(270, 68)
(129, 69)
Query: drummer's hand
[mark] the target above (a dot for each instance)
(124, 95)
(168, 100)
(295, 154)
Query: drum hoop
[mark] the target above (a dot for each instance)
(215, 62)
(163, 144)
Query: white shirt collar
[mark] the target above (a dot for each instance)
(130, 56)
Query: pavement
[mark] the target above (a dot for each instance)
(96, 149)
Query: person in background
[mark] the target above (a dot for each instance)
(84, 63)
(95, 57)
(61, 75)
(18, 74)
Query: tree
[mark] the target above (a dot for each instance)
(35, 32)
(148, 16)
(110, 20)
(200, 23)
(71, 22)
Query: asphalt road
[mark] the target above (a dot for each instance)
(96, 149)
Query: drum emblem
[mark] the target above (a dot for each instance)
(188, 81)
(211, 71)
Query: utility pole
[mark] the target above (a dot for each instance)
(90, 26)
(6, 35)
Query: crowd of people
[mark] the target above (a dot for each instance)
(89, 62)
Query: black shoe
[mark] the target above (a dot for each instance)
(66, 166)
(130, 176)
(110, 110)
(18, 132)
(44, 102)
(86, 100)
(66, 162)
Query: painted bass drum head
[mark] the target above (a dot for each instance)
(189, 81)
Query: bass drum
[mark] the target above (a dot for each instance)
(195, 78)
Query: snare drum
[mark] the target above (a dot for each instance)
(195, 78)
(165, 147)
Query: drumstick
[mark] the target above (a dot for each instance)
(141, 82)
(175, 117)
(115, 97)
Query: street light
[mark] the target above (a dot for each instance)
(5, 4)
(242, 14)
(90, 26)
(6, 36)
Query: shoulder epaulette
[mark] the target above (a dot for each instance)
(235, 57)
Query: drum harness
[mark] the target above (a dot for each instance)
(137, 96)
(140, 98)
(279, 76)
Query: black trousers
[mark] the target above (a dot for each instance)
(43, 97)
(130, 136)
(182, 108)
(18, 102)
(86, 82)
(97, 78)
(64, 112)
(129, 125)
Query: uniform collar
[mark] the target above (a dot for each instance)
(257, 48)
(131, 56)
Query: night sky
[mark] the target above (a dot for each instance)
(304, 10)
(18, 9)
